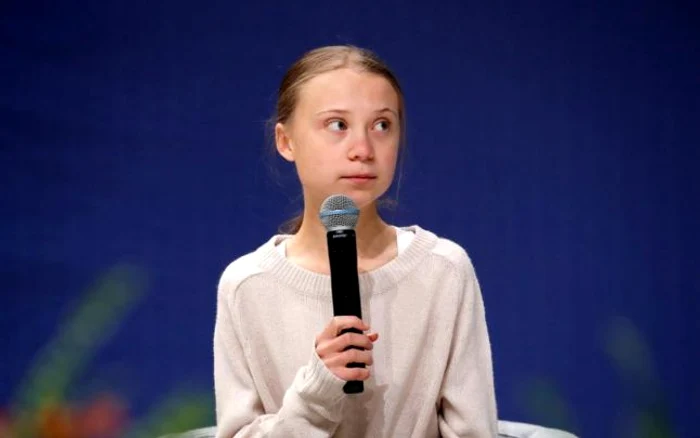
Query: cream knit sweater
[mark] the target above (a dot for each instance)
(432, 372)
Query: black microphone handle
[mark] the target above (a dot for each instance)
(345, 287)
(354, 386)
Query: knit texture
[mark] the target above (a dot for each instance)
(432, 373)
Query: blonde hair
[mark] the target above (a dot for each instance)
(322, 60)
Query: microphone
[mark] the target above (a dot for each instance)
(339, 216)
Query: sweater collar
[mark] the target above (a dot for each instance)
(375, 281)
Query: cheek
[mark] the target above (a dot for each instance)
(307, 168)
(387, 162)
(389, 157)
(312, 164)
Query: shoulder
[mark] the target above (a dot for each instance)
(449, 251)
(454, 253)
(243, 268)
(448, 270)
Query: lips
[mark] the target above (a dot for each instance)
(359, 179)
(361, 176)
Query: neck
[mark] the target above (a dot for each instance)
(308, 246)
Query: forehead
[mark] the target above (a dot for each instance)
(347, 89)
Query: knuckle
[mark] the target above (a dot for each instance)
(361, 374)
(360, 356)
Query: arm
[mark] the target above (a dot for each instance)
(311, 406)
(468, 404)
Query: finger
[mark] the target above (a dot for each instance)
(348, 374)
(347, 357)
(341, 323)
(373, 337)
(338, 324)
(342, 343)
(348, 340)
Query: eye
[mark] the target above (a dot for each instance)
(382, 125)
(337, 125)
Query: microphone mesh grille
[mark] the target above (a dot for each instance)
(338, 212)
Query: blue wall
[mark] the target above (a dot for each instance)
(558, 144)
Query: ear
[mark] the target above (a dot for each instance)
(283, 142)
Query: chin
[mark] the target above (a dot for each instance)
(363, 199)
(362, 196)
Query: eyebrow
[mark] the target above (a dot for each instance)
(342, 111)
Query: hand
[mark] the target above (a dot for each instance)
(336, 350)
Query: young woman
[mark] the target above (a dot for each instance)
(279, 362)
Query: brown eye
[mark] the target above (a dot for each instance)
(337, 125)
(382, 125)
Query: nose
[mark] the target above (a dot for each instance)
(361, 149)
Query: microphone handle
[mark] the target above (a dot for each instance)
(353, 386)
(345, 287)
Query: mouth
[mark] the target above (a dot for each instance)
(360, 176)
(359, 179)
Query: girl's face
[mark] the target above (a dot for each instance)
(343, 136)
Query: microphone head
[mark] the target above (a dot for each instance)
(339, 212)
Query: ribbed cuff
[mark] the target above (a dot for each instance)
(320, 384)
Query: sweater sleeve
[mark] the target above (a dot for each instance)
(467, 401)
(311, 407)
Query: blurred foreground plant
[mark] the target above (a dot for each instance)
(41, 407)
(632, 359)
(646, 416)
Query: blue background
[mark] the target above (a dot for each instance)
(556, 141)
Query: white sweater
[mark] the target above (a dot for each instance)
(432, 373)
